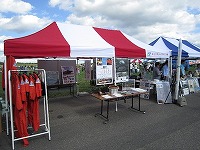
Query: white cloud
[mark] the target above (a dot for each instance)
(2, 38)
(23, 23)
(62, 4)
(20, 24)
(2, 57)
(15, 6)
(1, 47)
(193, 4)
(91, 21)
(145, 20)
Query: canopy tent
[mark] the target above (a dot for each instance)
(171, 44)
(67, 40)
(136, 61)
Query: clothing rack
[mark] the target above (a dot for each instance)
(46, 123)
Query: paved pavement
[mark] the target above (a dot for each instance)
(75, 127)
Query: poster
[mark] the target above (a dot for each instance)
(52, 77)
(68, 75)
(122, 69)
(104, 71)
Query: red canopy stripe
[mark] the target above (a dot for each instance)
(48, 42)
(122, 45)
(136, 61)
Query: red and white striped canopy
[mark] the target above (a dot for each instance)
(67, 40)
(136, 61)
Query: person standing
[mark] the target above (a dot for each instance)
(197, 71)
(165, 71)
(182, 68)
(135, 68)
(156, 71)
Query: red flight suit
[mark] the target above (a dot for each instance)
(33, 104)
(19, 111)
(36, 112)
(11, 65)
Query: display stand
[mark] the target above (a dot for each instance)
(191, 85)
(0, 118)
(163, 91)
(184, 87)
(146, 85)
(46, 123)
(196, 84)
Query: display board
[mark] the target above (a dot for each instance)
(122, 69)
(68, 75)
(104, 71)
(53, 69)
(184, 87)
(191, 85)
(196, 85)
(145, 84)
(163, 91)
(52, 77)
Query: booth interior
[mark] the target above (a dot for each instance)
(130, 75)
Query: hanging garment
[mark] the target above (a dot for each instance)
(38, 89)
(36, 115)
(19, 111)
(11, 65)
(33, 105)
(23, 97)
(26, 82)
(32, 91)
(30, 100)
(22, 88)
(38, 86)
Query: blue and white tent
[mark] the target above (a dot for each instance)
(188, 49)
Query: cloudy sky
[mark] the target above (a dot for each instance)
(145, 20)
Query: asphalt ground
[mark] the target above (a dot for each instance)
(75, 127)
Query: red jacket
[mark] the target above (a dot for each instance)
(26, 82)
(22, 88)
(19, 111)
(38, 86)
(32, 91)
